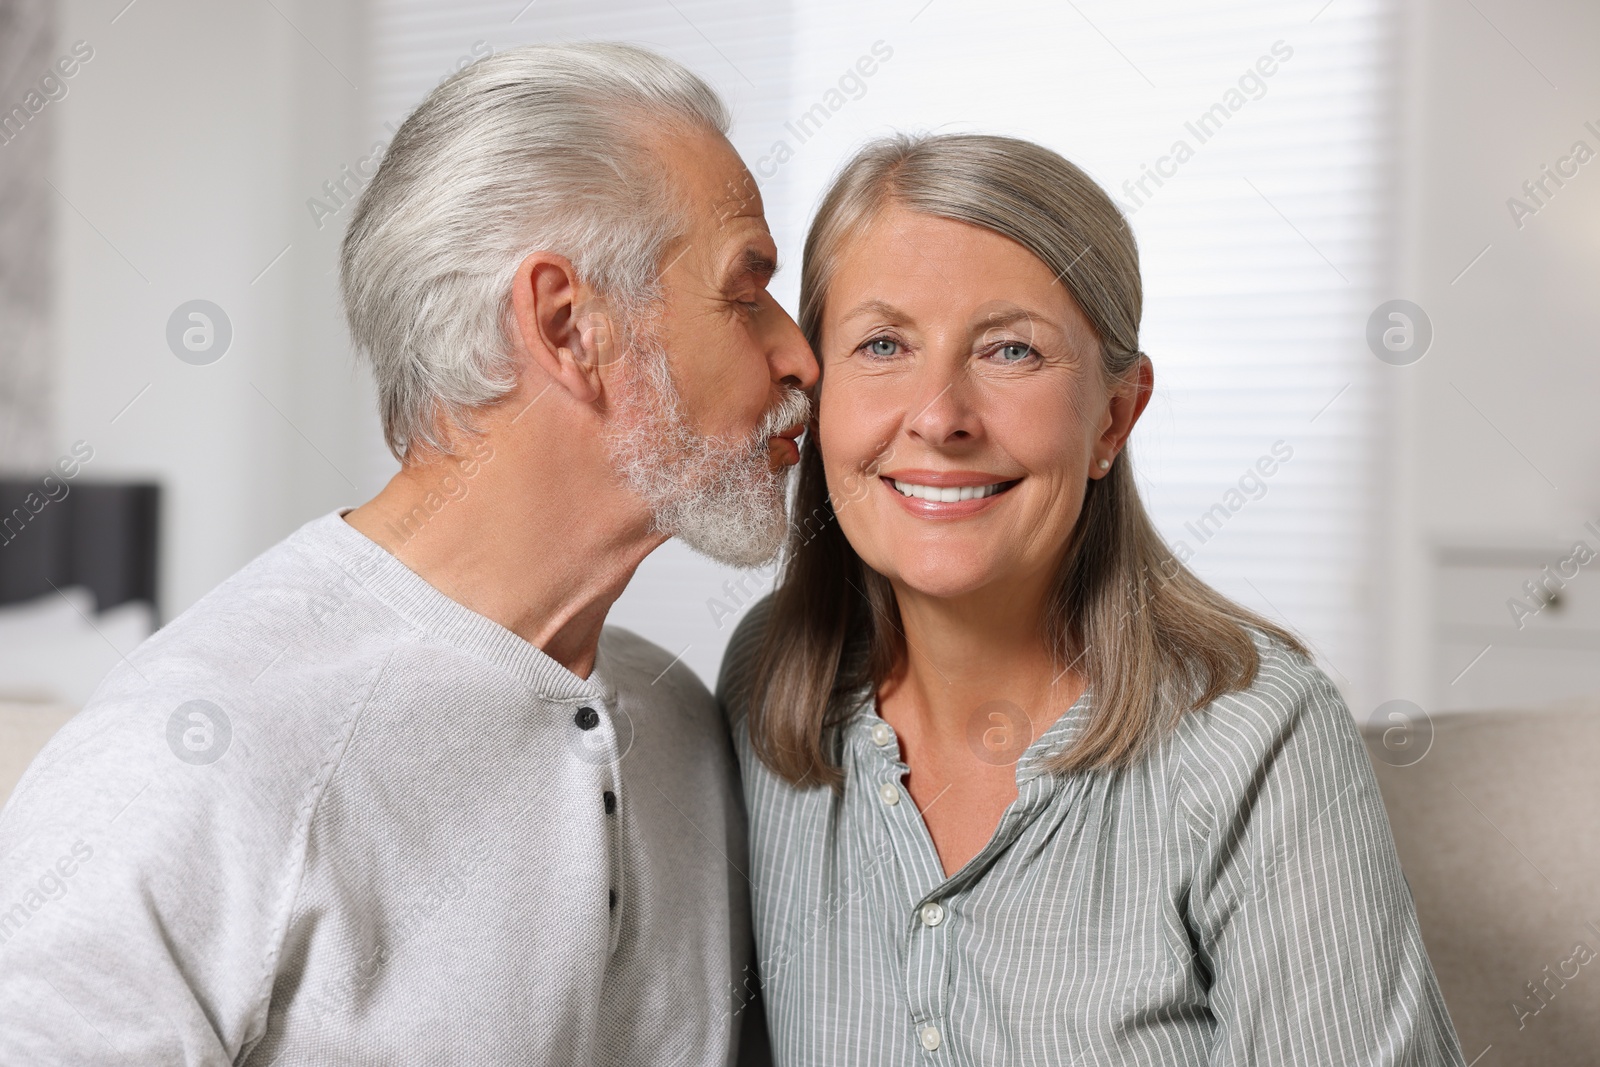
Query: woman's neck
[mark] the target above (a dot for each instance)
(964, 652)
(976, 686)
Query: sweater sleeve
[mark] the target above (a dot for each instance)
(147, 862)
(1297, 904)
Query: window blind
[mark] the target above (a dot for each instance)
(1249, 144)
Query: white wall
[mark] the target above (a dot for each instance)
(28, 79)
(187, 148)
(1496, 438)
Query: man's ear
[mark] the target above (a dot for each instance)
(1130, 394)
(561, 325)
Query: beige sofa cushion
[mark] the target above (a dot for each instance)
(1496, 826)
(24, 728)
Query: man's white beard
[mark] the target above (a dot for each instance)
(720, 498)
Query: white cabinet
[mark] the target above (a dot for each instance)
(1516, 627)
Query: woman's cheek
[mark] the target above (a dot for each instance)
(858, 521)
(845, 483)
(856, 442)
(844, 487)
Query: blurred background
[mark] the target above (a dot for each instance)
(1371, 241)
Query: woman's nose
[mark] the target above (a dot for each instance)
(941, 410)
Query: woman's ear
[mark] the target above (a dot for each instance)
(561, 325)
(1130, 394)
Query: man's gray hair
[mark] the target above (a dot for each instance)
(540, 148)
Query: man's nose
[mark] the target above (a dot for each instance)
(792, 361)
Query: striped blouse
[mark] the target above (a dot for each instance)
(1231, 898)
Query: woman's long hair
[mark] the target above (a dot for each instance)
(1153, 640)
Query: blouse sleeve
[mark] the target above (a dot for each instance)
(1297, 906)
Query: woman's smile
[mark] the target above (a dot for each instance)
(947, 494)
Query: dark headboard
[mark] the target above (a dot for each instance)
(103, 536)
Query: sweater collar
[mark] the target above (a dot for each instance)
(410, 595)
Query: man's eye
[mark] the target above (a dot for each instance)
(881, 346)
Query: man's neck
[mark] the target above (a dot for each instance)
(542, 542)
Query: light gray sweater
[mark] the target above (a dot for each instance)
(330, 816)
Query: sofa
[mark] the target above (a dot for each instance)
(1497, 822)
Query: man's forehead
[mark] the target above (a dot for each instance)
(742, 242)
(739, 197)
(728, 233)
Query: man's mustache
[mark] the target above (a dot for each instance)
(792, 409)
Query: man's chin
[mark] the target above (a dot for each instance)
(734, 542)
(743, 527)
(745, 558)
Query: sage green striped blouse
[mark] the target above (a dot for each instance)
(1232, 898)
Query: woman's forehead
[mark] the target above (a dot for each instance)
(925, 268)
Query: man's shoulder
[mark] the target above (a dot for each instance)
(292, 585)
(673, 721)
(235, 747)
(643, 668)
(292, 609)
(253, 682)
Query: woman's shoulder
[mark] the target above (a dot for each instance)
(1285, 686)
(1290, 721)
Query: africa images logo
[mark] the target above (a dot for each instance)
(199, 732)
(199, 332)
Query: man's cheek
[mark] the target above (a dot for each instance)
(720, 375)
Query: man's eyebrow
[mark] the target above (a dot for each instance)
(756, 262)
(751, 264)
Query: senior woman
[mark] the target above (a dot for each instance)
(1022, 789)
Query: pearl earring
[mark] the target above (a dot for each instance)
(1105, 464)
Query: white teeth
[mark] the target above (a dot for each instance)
(946, 494)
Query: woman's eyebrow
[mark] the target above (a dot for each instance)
(877, 309)
(1013, 316)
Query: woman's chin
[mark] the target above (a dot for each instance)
(941, 578)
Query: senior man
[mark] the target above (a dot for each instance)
(391, 794)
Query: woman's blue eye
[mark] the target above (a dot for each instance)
(1014, 353)
(882, 346)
